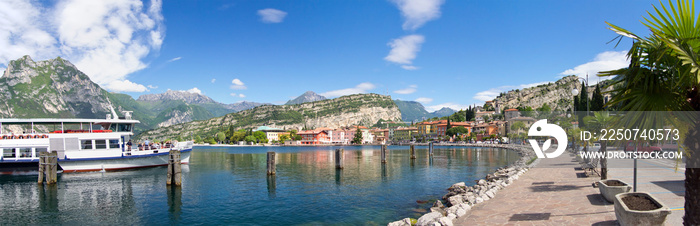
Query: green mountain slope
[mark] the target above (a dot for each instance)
(358, 109)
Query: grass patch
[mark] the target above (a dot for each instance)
(531, 160)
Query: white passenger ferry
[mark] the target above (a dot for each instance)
(82, 145)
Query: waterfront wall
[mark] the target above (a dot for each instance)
(460, 198)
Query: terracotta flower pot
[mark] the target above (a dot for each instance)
(626, 216)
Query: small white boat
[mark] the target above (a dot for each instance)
(82, 145)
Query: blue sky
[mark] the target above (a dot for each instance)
(441, 53)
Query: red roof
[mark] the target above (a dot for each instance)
(512, 109)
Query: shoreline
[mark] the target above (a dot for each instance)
(460, 198)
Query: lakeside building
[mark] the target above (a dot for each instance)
(479, 117)
(405, 134)
(380, 135)
(314, 137)
(272, 134)
(511, 113)
(527, 121)
(428, 130)
(442, 127)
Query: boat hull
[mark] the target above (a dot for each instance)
(121, 163)
(95, 164)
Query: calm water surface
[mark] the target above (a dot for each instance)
(228, 185)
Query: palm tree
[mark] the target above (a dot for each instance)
(664, 75)
(600, 120)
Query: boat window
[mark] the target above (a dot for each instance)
(8, 153)
(100, 144)
(113, 127)
(114, 144)
(124, 128)
(25, 152)
(85, 144)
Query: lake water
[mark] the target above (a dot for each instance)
(229, 185)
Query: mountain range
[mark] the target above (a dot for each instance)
(415, 111)
(308, 96)
(55, 88)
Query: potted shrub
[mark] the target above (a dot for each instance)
(610, 188)
(639, 208)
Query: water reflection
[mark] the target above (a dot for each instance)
(271, 186)
(230, 186)
(174, 202)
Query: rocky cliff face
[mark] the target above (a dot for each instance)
(557, 95)
(308, 96)
(244, 105)
(359, 109)
(51, 88)
(187, 97)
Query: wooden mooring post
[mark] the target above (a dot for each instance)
(413, 152)
(174, 168)
(271, 169)
(383, 154)
(339, 158)
(48, 167)
(430, 148)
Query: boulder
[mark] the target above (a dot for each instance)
(428, 219)
(490, 194)
(451, 216)
(438, 203)
(481, 182)
(444, 221)
(455, 200)
(404, 222)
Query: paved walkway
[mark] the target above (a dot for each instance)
(552, 193)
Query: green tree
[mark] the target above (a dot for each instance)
(358, 136)
(260, 136)
(238, 135)
(600, 120)
(283, 137)
(470, 114)
(545, 108)
(210, 140)
(198, 140)
(664, 75)
(250, 138)
(220, 137)
(597, 99)
(456, 131)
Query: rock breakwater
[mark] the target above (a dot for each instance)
(460, 198)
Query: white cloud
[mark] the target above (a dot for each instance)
(424, 100)
(213, 80)
(454, 106)
(174, 59)
(418, 12)
(409, 67)
(237, 95)
(409, 90)
(404, 49)
(125, 86)
(605, 61)
(105, 39)
(271, 15)
(194, 90)
(360, 88)
(493, 92)
(237, 84)
(152, 87)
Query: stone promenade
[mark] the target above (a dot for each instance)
(551, 193)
